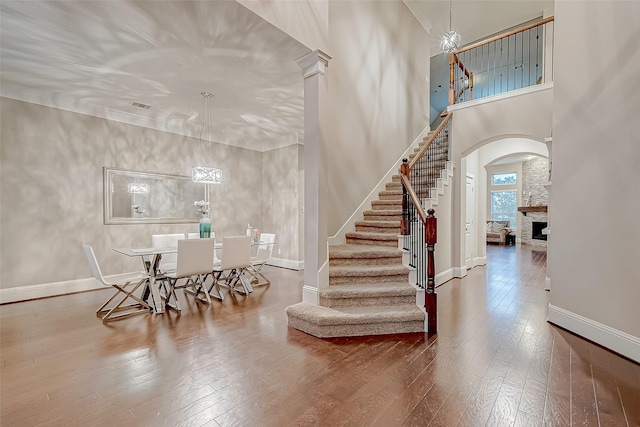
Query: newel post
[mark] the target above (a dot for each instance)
(404, 222)
(430, 297)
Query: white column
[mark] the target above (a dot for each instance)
(316, 126)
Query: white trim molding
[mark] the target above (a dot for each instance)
(459, 272)
(310, 295)
(53, 289)
(479, 260)
(613, 339)
(443, 277)
(286, 263)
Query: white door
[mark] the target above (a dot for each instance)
(469, 221)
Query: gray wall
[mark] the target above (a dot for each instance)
(282, 195)
(596, 164)
(379, 96)
(51, 190)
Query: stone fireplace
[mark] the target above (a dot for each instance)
(533, 236)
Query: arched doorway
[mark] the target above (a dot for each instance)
(480, 161)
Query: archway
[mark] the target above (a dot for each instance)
(474, 162)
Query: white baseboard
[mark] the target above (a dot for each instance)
(44, 290)
(480, 260)
(286, 263)
(444, 276)
(618, 341)
(339, 238)
(459, 271)
(310, 295)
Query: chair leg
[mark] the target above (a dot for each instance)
(236, 276)
(140, 305)
(256, 273)
(215, 284)
(198, 290)
(171, 295)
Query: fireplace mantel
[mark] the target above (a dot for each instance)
(525, 209)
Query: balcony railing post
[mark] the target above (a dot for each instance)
(430, 297)
(452, 90)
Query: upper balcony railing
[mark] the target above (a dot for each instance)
(512, 60)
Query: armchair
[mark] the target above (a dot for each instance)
(497, 231)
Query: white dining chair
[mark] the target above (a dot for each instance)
(168, 261)
(235, 258)
(118, 310)
(194, 258)
(197, 235)
(263, 255)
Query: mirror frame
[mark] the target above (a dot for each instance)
(108, 174)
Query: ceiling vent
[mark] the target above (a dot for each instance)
(139, 105)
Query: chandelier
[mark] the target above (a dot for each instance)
(205, 174)
(450, 40)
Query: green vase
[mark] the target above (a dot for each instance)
(205, 228)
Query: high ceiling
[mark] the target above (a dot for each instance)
(100, 57)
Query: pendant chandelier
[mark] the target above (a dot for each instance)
(204, 174)
(450, 40)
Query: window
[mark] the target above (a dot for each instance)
(503, 206)
(510, 178)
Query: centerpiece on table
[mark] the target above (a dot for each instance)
(205, 221)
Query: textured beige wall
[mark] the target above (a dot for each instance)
(51, 190)
(379, 96)
(281, 200)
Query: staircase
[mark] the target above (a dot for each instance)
(369, 291)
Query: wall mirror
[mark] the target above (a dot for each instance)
(140, 197)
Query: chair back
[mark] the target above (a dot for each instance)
(93, 263)
(236, 252)
(168, 261)
(197, 235)
(265, 249)
(195, 256)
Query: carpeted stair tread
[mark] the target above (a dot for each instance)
(380, 224)
(369, 290)
(363, 251)
(368, 270)
(390, 225)
(383, 212)
(355, 315)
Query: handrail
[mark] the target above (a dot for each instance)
(414, 198)
(432, 138)
(503, 35)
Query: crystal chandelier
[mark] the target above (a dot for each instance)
(450, 40)
(204, 174)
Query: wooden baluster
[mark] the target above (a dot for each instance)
(430, 297)
(404, 222)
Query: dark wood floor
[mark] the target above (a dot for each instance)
(494, 362)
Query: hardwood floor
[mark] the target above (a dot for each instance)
(495, 361)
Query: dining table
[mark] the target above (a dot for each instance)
(151, 293)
